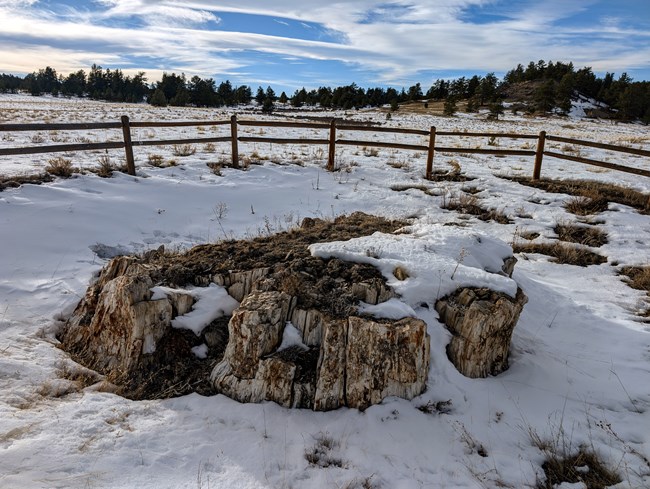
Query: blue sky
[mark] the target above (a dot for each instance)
(289, 44)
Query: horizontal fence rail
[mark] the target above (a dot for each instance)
(334, 129)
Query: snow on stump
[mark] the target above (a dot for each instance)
(481, 322)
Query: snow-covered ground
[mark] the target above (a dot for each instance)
(580, 359)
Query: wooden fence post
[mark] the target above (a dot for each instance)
(233, 136)
(332, 146)
(539, 155)
(128, 145)
(432, 147)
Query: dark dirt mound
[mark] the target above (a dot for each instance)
(18, 180)
(202, 262)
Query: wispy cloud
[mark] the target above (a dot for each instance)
(389, 42)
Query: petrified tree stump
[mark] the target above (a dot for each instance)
(481, 322)
(360, 361)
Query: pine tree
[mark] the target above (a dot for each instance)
(158, 99)
(496, 109)
(450, 107)
(565, 93)
(545, 96)
(268, 106)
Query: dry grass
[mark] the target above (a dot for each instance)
(586, 206)
(597, 194)
(468, 204)
(59, 167)
(320, 455)
(562, 253)
(183, 150)
(584, 235)
(637, 277)
(584, 466)
(15, 181)
(156, 160)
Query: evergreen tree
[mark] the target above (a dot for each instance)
(244, 94)
(283, 98)
(181, 99)
(450, 107)
(158, 98)
(496, 109)
(472, 106)
(74, 84)
(260, 96)
(545, 96)
(565, 93)
(268, 106)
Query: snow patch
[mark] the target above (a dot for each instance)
(211, 303)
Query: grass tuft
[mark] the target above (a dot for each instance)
(468, 204)
(562, 253)
(595, 191)
(584, 235)
(183, 150)
(59, 167)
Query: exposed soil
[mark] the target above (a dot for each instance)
(597, 194)
(585, 467)
(202, 262)
(638, 278)
(449, 176)
(18, 180)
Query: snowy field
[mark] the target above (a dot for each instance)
(580, 359)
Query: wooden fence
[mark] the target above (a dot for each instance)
(333, 139)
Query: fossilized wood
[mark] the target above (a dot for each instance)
(240, 284)
(255, 330)
(330, 386)
(385, 359)
(481, 322)
(361, 361)
(116, 325)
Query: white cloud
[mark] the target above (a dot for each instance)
(398, 40)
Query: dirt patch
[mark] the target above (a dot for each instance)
(584, 235)
(449, 176)
(638, 278)
(199, 264)
(18, 180)
(585, 466)
(469, 204)
(595, 195)
(562, 253)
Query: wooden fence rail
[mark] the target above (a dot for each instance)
(334, 129)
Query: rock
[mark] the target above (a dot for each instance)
(361, 361)
(344, 360)
(125, 324)
(330, 385)
(481, 322)
(255, 330)
(400, 273)
(116, 327)
(385, 359)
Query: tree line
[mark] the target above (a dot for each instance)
(553, 86)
